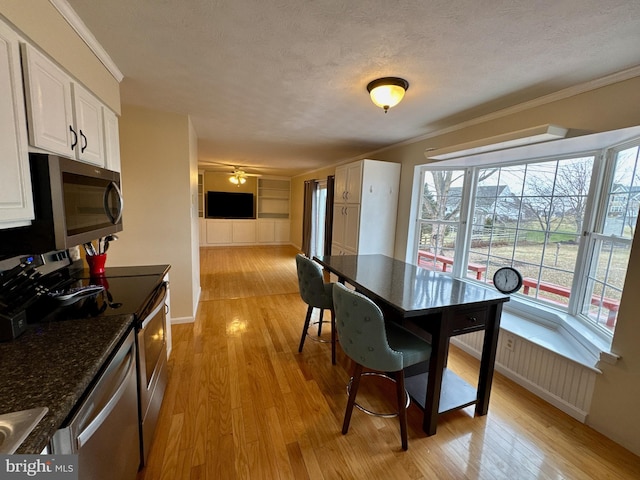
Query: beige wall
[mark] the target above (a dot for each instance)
(195, 226)
(41, 23)
(159, 175)
(614, 409)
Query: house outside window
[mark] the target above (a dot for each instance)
(566, 222)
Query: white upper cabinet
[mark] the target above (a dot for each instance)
(63, 116)
(348, 183)
(365, 208)
(89, 126)
(111, 140)
(16, 202)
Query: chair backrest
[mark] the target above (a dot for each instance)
(361, 331)
(310, 281)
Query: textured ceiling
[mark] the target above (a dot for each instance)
(279, 86)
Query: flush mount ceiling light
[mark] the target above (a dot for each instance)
(238, 177)
(387, 92)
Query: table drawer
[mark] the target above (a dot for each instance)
(467, 320)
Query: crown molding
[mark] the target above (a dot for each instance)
(537, 102)
(72, 18)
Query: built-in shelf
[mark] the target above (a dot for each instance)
(201, 194)
(273, 198)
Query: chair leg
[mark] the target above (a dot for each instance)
(320, 322)
(304, 329)
(357, 373)
(402, 408)
(333, 337)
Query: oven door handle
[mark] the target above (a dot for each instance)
(89, 430)
(160, 298)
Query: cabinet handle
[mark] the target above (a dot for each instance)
(84, 147)
(75, 137)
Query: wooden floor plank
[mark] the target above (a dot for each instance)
(242, 403)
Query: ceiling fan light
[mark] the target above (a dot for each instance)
(387, 92)
(238, 177)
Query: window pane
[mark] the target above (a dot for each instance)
(605, 281)
(442, 194)
(611, 243)
(439, 218)
(530, 216)
(624, 195)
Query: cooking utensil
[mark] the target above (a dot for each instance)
(89, 249)
(107, 239)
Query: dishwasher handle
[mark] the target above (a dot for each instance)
(89, 430)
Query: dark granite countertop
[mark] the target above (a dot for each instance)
(51, 365)
(54, 363)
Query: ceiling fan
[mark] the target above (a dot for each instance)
(238, 175)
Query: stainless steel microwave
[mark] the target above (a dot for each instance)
(74, 203)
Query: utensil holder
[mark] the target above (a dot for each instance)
(96, 264)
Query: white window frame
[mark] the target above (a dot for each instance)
(603, 147)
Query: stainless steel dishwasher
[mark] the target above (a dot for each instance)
(104, 430)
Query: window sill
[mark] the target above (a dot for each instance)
(557, 332)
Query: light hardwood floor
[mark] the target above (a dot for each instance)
(243, 403)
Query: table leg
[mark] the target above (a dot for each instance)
(487, 361)
(437, 362)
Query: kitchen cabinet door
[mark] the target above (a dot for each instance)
(88, 123)
(351, 217)
(16, 200)
(346, 221)
(340, 185)
(63, 116)
(49, 104)
(111, 140)
(354, 182)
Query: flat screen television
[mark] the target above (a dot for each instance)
(229, 205)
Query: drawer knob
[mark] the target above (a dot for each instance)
(472, 319)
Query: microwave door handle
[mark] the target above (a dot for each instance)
(113, 186)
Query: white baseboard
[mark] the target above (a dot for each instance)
(179, 320)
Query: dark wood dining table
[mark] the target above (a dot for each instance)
(435, 306)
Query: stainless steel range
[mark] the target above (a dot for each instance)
(146, 298)
(137, 291)
(152, 367)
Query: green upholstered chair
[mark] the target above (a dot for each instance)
(376, 345)
(316, 294)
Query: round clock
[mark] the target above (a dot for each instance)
(507, 280)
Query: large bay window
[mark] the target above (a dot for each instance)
(564, 220)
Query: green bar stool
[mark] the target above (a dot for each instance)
(316, 294)
(375, 345)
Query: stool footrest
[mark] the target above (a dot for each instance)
(370, 412)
